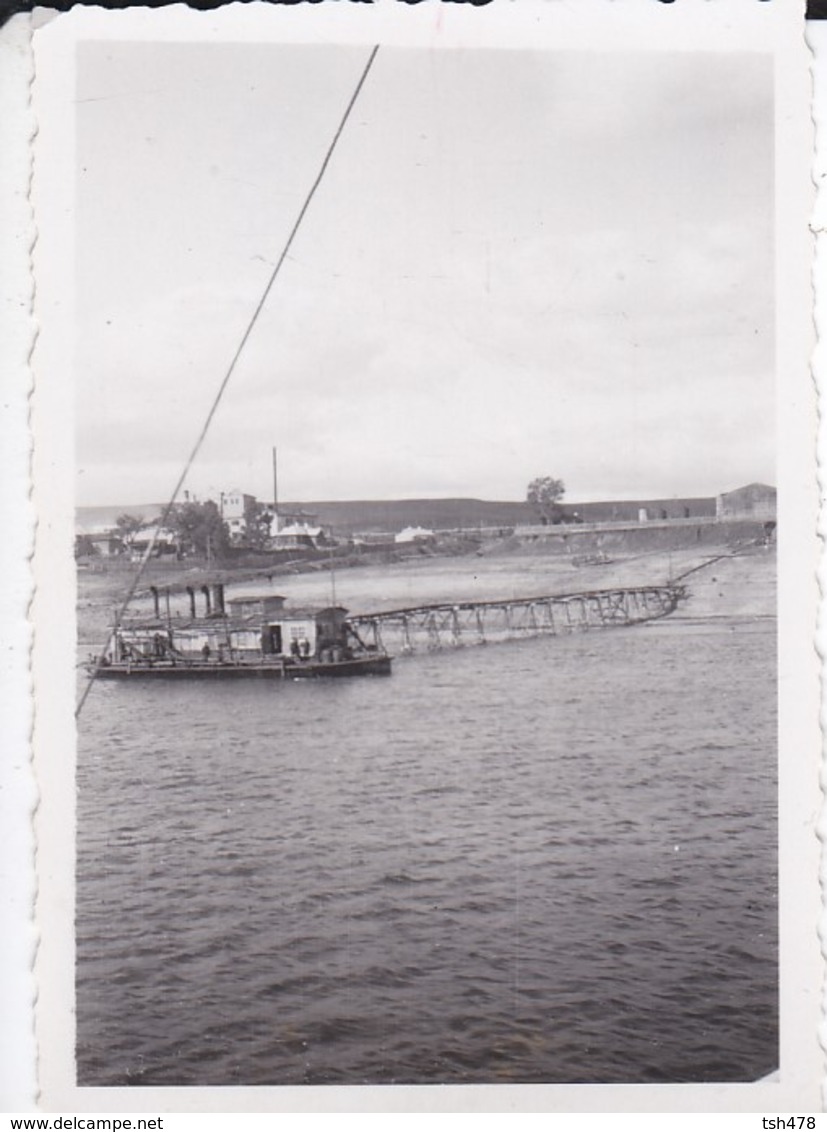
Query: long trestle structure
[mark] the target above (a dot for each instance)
(451, 625)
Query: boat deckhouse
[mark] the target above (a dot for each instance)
(260, 623)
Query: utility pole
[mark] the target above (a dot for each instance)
(275, 490)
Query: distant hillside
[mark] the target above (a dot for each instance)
(92, 519)
(388, 516)
(392, 515)
(346, 516)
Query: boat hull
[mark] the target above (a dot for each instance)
(271, 670)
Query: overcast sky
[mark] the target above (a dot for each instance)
(517, 264)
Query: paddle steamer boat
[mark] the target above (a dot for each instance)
(254, 636)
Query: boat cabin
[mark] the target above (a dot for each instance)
(256, 605)
(302, 634)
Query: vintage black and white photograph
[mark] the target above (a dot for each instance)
(425, 479)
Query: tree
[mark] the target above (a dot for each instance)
(129, 526)
(259, 524)
(85, 547)
(544, 494)
(199, 528)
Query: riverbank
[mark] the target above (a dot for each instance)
(720, 582)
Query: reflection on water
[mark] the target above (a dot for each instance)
(545, 861)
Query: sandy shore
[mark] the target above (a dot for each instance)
(738, 587)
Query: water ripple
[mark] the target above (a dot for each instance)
(548, 862)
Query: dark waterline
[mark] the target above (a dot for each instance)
(545, 861)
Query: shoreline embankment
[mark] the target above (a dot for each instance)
(728, 571)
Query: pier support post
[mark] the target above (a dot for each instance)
(434, 641)
(377, 635)
(480, 625)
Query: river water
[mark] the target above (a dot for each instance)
(551, 860)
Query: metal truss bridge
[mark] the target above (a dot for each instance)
(453, 624)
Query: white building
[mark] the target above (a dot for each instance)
(236, 507)
(414, 534)
(165, 541)
(292, 536)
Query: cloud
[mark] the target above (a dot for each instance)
(517, 263)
